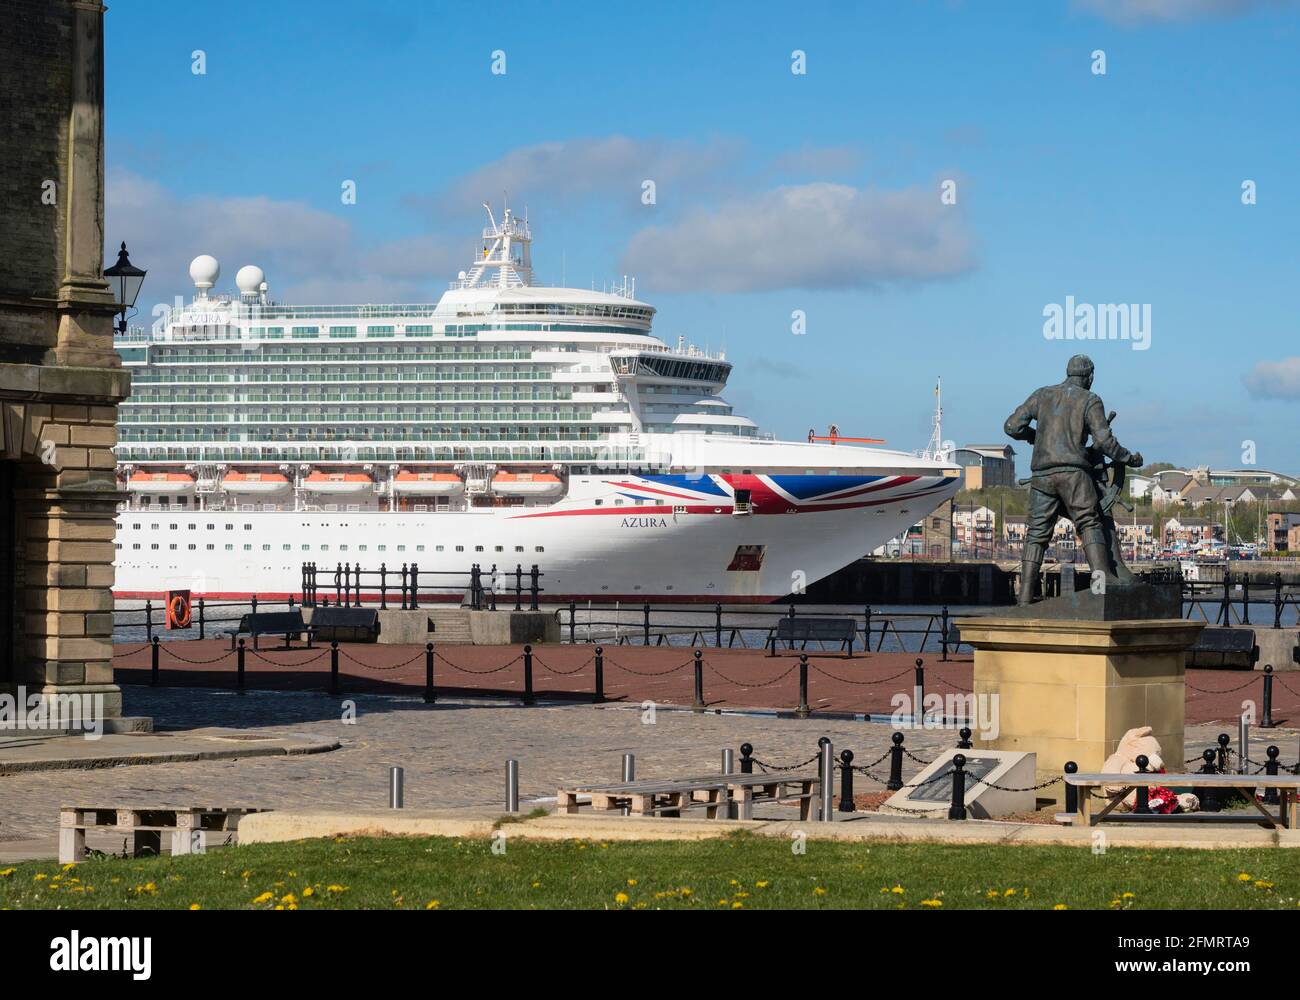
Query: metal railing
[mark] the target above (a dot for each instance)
(354, 586)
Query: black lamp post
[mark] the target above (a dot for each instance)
(125, 280)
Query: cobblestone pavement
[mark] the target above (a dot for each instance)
(453, 752)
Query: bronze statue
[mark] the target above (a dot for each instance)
(1068, 476)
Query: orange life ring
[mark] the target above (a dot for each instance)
(178, 610)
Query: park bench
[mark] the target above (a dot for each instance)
(1224, 647)
(286, 623)
(1286, 785)
(189, 827)
(820, 630)
(714, 793)
(345, 624)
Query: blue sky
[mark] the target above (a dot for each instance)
(774, 191)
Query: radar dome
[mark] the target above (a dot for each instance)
(204, 271)
(250, 278)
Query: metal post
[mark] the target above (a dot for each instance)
(645, 623)
(943, 639)
(338, 585)
(964, 743)
(803, 711)
(1267, 721)
(1071, 791)
(728, 760)
(1270, 768)
(239, 667)
(599, 696)
(698, 705)
(519, 586)
(535, 588)
(396, 788)
(866, 622)
(1143, 805)
(528, 676)
(404, 587)
(512, 786)
(1277, 600)
(895, 781)
(334, 667)
(746, 758)
(1223, 739)
(383, 586)
(1245, 599)
(153, 661)
(828, 780)
(1209, 797)
(415, 586)
(573, 620)
(148, 621)
(918, 694)
(202, 620)
(846, 781)
(629, 774)
(1227, 601)
(429, 695)
(717, 625)
(957, 808)
(1243, 743)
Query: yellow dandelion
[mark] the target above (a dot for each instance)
(737, 906)
(932, 902)
(245, 874)
(40, 877)
(631, 881)
(1243, 877)
(433, 904)
(819, 891)
(761, 885)
(263, 898)
(992, 894)
(195, 906)
(288, 897)
(898, 890)
(1009, 892)
(620, 897)
(308, 891)
(685, 891)
(537, 885)
(1261, 884)
(7, 872)
(1127, 895)
(1060, 906)
(69, 866)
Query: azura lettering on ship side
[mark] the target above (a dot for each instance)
(645, 522)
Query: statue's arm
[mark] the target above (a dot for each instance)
(1102, 437)
(1017, 425)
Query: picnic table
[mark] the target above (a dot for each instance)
(1287, 786)
(713, 793)
(189, 827)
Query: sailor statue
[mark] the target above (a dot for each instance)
(1066, 477)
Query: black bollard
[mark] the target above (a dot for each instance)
(202, 620)
(645, 625)
(895, 781)
(803, 711)
(1209, 797)
(1071, 791)
(698, 705)
(1143, 805)
(943, 636)
(846, 781)
(964, 743)
(334, 667)
(1224, 740)
(957, 810)
(600, 675)
(430, 696)
(717, 625)
(1271, 767)
(746, 758)
(1267, 721)
(528, 676)
(918, 692)
(148, 621)
(153, 662)
(239, 667)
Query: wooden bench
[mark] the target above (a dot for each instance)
(288, 623)
(1287, 785)
(820, 630)
(189, 827)
(1224, 647)
(345, 624)
(714, 793)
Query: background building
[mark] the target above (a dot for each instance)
(60, 380)
(987, 465)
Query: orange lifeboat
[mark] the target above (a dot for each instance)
(527, 484)
(338, 482)
(162, 483)
(254, 482)
(439, 484)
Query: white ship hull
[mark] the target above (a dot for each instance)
(681, 545)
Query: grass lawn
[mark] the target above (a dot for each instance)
(736, 872)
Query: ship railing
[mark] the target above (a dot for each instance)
(479, 588)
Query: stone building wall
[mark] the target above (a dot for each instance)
(60, 380)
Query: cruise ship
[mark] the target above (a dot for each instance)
(508, 424)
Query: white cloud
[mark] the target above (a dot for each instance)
(1274, 379)
(308, 254)
(821, 235)
(1164, 11)
(558, 173)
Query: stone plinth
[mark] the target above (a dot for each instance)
(1069, 690)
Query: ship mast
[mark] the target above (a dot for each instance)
(934, 451)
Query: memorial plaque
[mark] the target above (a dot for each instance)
(992, 780)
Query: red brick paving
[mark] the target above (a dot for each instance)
(733, 678)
